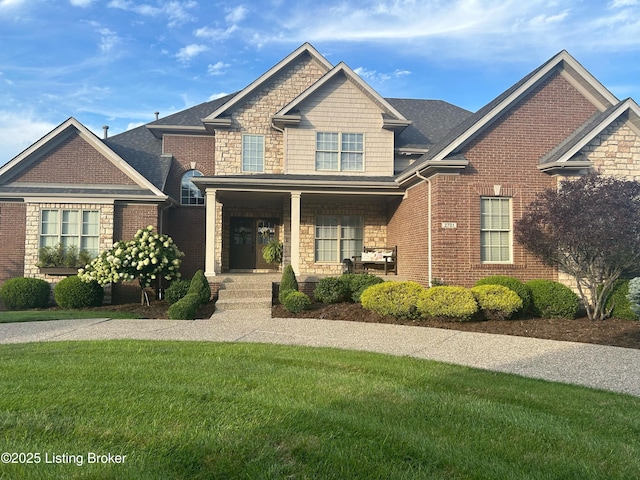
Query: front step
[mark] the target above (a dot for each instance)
(245, 291)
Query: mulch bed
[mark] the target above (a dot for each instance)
(613, 331)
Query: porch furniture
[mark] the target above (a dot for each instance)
(376, 258)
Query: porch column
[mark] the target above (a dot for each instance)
(295, 231)
(210, 234)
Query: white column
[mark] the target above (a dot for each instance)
(295, 231)
(210, 234)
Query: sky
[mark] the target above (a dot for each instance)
(116, 62)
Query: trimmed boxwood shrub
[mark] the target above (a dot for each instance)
(550, 299)
(178, 289)
(397, 299)
(24, 293)
(496, 301)
(185, 308)
(514, 284)
(296, 301)
(359, 282)
(200, 286)
(332, 290)
(618, 303)
(74, 293)
(448, 303)
(288, 283)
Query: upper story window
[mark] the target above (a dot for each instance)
(339, 151)
(189, 193)
(253, 153)
(70, 228)
(495, 230)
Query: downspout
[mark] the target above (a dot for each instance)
(429, 256)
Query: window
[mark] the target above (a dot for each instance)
(337, 237)
(495, 230)
(78, 228)
(339, 151)
(253, 153)
(189, 193)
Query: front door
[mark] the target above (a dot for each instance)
(248, 236)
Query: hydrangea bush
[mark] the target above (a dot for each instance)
(147, 258)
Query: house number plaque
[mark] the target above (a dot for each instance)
(449, 225)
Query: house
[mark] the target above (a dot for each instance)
(311, 155)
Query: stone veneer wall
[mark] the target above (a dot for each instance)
(616, 151)
(32, 232)
(254, 117)
(375, 231)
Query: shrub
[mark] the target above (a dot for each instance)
(74, 293)
(511, 283)
(176, 290)
(24, 293)
(551, 299)
(185, 308)
(288, 283)
(618, 304)
(332, 290)
(397, 299)
(634, 295)
(496, 301)
(359, 282)
(296, 301)
(448, 303)
(200, 286)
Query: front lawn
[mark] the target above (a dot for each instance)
(207, 410)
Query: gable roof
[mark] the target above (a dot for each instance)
(466, 131)
(217, 116)
(392, 118)
(27, 157)
(567, 154)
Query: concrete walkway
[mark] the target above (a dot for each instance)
(610, 368)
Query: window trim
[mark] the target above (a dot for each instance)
(244, 150)
(199, 198)
(509, 232)
(339, 239)
(59, 235)
(340, 152)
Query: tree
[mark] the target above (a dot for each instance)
(147, 258)
(588, 228)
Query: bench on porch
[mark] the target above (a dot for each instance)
(376, 258)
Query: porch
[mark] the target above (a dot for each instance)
(318, 228)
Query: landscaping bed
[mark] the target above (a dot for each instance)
(613, 331)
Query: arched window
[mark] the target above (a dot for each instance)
(189, 193)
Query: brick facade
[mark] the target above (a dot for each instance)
(502, 162)
(12, 238)
(73, 160)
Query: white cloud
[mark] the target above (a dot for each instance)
(190, 51)
(237, 14)
(109, 40)
(373, 76)
(177, 12)
(218, 68)
(215, 33)
(216, 96)
(5, 4)
(81, 3)
(18, 130)
(623, 3)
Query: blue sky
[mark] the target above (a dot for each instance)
(116, 62)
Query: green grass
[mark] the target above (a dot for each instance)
(49, 314)
(207, 410)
